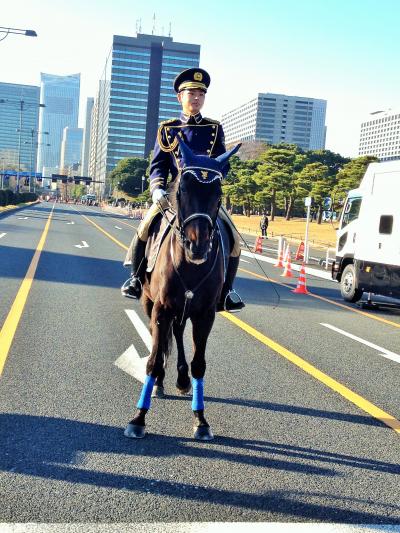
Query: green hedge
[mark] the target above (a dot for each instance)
(8, 197)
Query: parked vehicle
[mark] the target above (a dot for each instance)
(368, 238)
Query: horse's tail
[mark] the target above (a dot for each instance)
(167, 346)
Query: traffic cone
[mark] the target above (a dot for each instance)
(279, 263)
(301, 283)
(258, 245)
(287, 273)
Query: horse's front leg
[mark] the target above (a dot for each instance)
(161, 333)
(201, 330)
(183, 381)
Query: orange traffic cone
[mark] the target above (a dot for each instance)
(301, 283)
(258, 245)
(279, 263)
(287, 273)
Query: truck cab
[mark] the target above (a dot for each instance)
(368, 238)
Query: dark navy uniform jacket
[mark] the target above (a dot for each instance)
(203, 136)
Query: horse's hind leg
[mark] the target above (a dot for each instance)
(201, 330)
(183, 381)
(161, 332)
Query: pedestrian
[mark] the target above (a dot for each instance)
(264, 225)
(204, 136)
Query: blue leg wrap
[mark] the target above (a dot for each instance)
(198, 394)
(145, 397)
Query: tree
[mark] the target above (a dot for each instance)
(349, 177)
(127, 175)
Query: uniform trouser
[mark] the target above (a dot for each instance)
(144, 226)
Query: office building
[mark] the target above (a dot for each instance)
(134, 95)
(380, 135)
(60, 95)
(276, 118)
(19, 115)
(86, 137)
(71, 150)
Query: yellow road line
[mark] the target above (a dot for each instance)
(10, 325)
(353, 397)
(327, 300)
(106, 233)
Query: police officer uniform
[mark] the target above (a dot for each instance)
(204, 136)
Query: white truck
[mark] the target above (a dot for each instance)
(368, 238)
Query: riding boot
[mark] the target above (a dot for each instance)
(230, 300)
(132, 288)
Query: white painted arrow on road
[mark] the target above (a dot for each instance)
(83, 245)
(130, 361)
(117, 227)
(22, 218)
(2, 235)
(383, 351)
(70, 222)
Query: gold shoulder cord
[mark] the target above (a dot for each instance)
(163, 147)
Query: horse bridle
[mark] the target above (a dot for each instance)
(183, 223)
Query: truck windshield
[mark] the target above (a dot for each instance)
(351, 210)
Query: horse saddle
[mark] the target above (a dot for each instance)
(160, 228)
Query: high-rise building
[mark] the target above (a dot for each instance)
(135, 94)
(276, 118)
(19, 115)
(380, 135)
(71, 149)
(60, 95)
(86, 137)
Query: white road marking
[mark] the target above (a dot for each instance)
(244, 261)
(140, 327)
(22, 218)
(83, 245)
(382, 351)
(2, 235)
(117, 227)
(71, 222)
(130, 361)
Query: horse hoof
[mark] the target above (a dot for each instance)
(203, 433)
(135, 432)
(158, 392)
(184, 391)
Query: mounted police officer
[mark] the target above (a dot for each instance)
(204, 136)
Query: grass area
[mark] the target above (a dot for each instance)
(319, 234)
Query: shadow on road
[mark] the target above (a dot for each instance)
(55, 448)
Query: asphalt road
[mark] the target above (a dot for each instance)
(306, 418)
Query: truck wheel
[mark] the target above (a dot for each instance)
(348, 288)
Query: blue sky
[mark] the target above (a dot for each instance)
(344, 51)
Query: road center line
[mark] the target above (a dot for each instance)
(10, 325)
(347, 393)
(382, 351)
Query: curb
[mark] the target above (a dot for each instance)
(17, 208)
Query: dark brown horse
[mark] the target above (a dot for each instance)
(186, 283)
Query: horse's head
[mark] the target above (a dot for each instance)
(198, 198)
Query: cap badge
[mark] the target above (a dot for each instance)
(204, 173)
(197, 76)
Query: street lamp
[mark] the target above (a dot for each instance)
(143, 180)
(16, 31)
(2, 176)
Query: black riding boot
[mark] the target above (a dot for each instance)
(230, 300)
(132, 288)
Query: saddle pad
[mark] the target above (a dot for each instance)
(158, 231)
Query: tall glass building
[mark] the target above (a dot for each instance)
(19, 115)
(71, 149)
(60, 95)
(276, 118)
(135, 94)
(86, 137)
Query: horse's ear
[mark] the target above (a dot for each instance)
(223, 158)
(187, 154)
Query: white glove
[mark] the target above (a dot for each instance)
(157, 195)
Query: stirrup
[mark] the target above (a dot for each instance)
(231, 305)
(130, 289)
